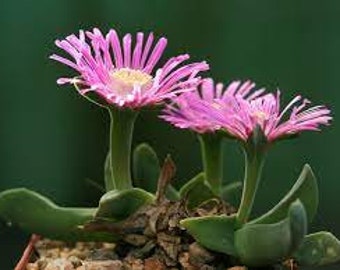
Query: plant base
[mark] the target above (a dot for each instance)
(153, 241)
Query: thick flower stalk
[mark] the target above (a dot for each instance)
(192, 111)
(124, 77)
(255, 151)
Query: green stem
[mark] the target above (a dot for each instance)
(121, 131)
(212, 157)
(254, 160)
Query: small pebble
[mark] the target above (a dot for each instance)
(136, 264)
(42, 263)
(59, 264)
(101, 265)
(32, 266)
(76, 262)
(102, 254)
(81, 254)
(109, 246)
(154, 264)
(199, 255)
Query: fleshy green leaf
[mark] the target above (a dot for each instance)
(232, 193)
(118, 205)
(199, 178)
(196, 191)
(172, 194)
(35, 213)
(146, 170)
(317, 249)
(214, 232)
(305, 189)
(146, 167)
(265, 244)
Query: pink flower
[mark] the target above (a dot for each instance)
(240, 116)
(124, 74)
(239, 108)
(196, 110)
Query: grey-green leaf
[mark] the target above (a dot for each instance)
(146, 170)
(118, 205)
(213, 232)
(318, 249)
(196, 191)
(305, 189)
(172, 194)
(35, 213)
(266, 244)
(146, 167)
(232, 193)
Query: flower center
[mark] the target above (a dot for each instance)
(260, 116)
(216, 105)
(130, 77)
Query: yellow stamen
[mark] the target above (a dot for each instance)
(130, 77)
(260, 116)
(216, 105)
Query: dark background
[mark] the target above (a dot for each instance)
(52, 140)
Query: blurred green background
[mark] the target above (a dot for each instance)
(52, 140)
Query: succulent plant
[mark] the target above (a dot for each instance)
(122, 81)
